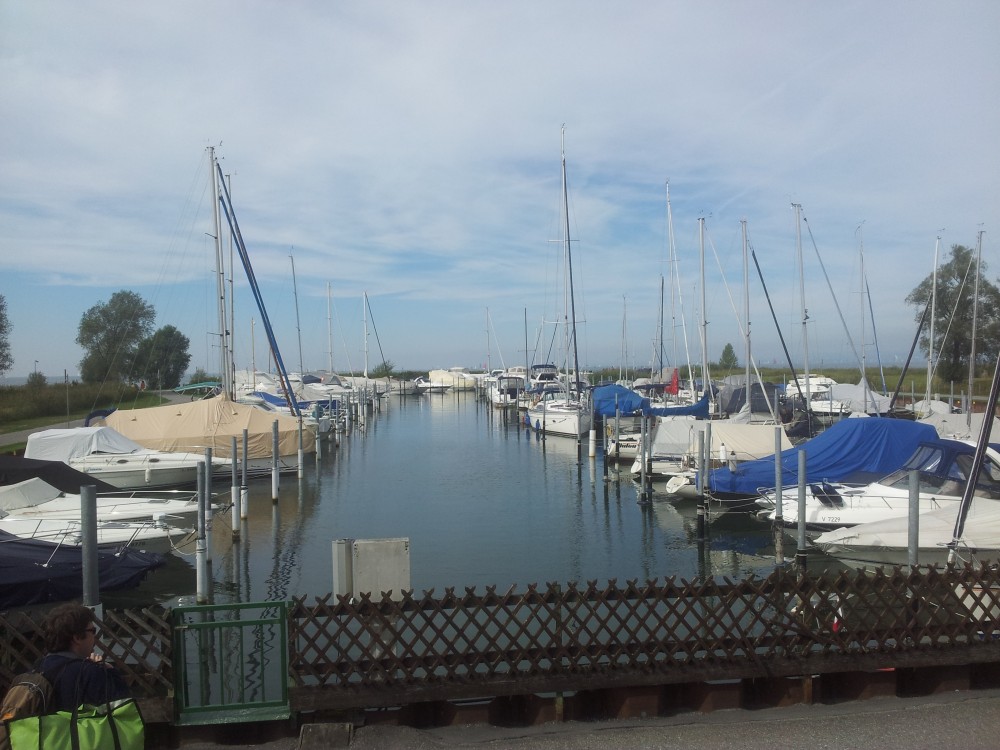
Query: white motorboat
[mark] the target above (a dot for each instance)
(36, 498)
(505, 390)
(559, 415)
(106, 454)
(151, 536)
(886, 542)
(426, 386)
(943, 467)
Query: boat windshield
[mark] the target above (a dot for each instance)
(947, 478)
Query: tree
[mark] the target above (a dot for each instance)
(110, 333)
(956, 283)
(36, 380)
(6, 360)
(728, 359)
(384, 370)
(162, 359)
(200, 376)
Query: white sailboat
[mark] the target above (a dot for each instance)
(564, 413)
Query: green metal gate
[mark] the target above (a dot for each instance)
(230, 663)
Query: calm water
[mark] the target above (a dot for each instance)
(482, 501)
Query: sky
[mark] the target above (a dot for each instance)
(411, 152)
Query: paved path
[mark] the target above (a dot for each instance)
(969, 720)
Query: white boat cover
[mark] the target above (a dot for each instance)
(211, 423)
(678, 436)
(67, 444)
(982, 530)
(954, 426)
(26, 494)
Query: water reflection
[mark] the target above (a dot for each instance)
(483, 500)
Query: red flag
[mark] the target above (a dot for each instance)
(675, 385)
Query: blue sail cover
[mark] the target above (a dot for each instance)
(607, 398)
(873, 445)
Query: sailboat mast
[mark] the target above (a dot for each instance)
(220, 279)
(746, 311)
(364, 313)
(864, 368)
(704, 313)
(569, 259)
(805, 312)
(298, 324)
(930, 336)
(329, 330)
(975, 315)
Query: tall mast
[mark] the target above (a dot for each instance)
(864, 368)
(805, 312)
(364, 313)
(220, 279)
(975, 315)
(329, 330)
(569, 259)
(930, 339)
(746, 310)
(704, 313)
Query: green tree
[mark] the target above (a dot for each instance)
(384, 370)
(200, 376)
(162, 359)
(6, 360)
(110, 334)
(956, 284)
(728, 359)
(36, 380)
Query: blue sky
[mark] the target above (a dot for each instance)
(411, 151)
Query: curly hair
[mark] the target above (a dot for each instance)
(62, 623)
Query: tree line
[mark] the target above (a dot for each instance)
(120, 344)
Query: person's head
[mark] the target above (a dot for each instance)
(70, 627)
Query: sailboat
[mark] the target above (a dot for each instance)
(567, 412)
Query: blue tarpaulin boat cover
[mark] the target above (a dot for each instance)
(875, 446)
(607, 398)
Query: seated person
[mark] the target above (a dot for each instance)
(77, 674)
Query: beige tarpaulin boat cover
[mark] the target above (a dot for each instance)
(212, 423)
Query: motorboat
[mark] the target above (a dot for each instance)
(505, 390)
(943, 467)
(36, 498)
(151, 536)
(426, 386)
(104, 453)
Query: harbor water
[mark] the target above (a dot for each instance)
(482, 500)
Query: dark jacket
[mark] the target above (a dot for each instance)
(76, 681)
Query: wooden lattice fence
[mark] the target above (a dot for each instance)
(372, 652)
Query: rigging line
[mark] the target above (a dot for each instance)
(878, 353)
(840, 314)
(374, 329)
(906, 365)
(781, 338)
(977, 461)
(493, 331)
(954, 310)
(234, 227)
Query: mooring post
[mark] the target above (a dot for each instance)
(201, 562)
(88, 546)
(703, 466)
(234, 494)
(274, 461)
(913, 525)
(779, 525)
(244, 487)
(800, 554)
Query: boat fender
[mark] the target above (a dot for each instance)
(149, 474)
